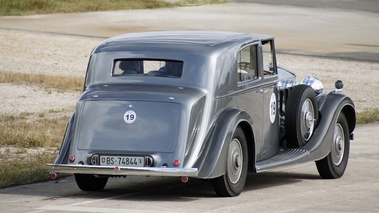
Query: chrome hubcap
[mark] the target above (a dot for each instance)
(307, 121)
(338, 146)
(235, 161)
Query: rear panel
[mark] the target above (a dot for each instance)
(141, 126)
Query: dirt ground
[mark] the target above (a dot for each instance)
(32, 52)
(39, 53)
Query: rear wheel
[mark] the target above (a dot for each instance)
(88, 182)
(334, 164)
(233, 181)
(300, 115)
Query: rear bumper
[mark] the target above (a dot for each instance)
(119, 170)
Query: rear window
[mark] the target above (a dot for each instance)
(142, 67)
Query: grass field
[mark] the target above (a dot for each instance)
(27, 143)
(31, 7)
(48, 82)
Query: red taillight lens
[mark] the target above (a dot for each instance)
(53, 176)
(184, 179)
(176, 162)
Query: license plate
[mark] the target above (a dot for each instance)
(122, 161)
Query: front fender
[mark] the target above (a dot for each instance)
(212, 160)
(64, 150)
(330, 106)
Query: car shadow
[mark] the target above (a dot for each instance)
(274, 179)
(167, 189)
(174, 190)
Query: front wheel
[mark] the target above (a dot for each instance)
(334, 164)
(233, 181)
(88, 182)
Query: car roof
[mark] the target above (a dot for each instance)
(183, 40)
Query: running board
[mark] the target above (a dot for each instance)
(283, 158)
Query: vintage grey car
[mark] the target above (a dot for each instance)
(200, 104)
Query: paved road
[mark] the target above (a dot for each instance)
(359, 5)
(294, 189)
(332, 32)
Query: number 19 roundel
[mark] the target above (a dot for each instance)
(130, 116)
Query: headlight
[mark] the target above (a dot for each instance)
(286, 83)
(314, 82)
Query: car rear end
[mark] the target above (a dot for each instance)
(132, 130)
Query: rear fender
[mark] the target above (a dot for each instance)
(66, 143)
(212, 160)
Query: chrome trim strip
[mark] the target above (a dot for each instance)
(121, 170)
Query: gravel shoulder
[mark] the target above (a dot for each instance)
(41, 53)
(64, 55)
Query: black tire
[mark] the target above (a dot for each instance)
(301, 114)
(88, 182)
(334, 164)
(233, 181)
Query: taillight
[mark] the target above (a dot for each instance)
(176, 163)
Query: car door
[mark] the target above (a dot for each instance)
(271, 124)
(250, 95)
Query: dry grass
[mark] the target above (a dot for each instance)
(60, 83)
(27, 143)
(19, 169)
(32, 130)
(368, 116)
(30, 7)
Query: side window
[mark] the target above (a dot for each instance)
(268, 59)
(247, 63)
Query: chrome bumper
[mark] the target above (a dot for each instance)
(120, 170)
